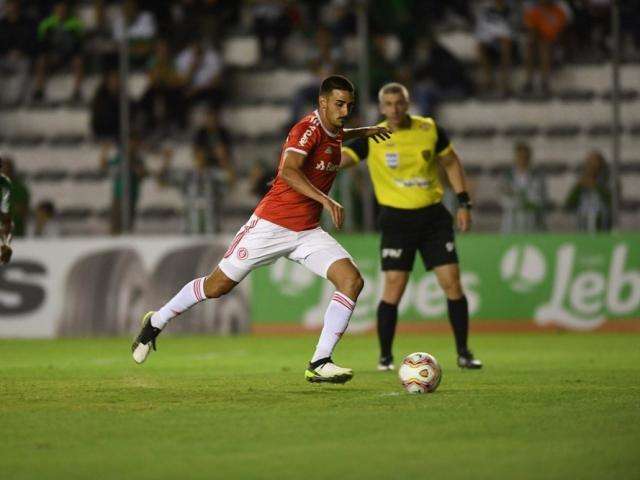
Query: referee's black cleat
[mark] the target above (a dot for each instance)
(466, 360)
(146, 339)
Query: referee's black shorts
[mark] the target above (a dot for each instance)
(428, 230)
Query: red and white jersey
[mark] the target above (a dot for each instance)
(284, 206)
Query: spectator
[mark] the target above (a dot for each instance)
(260, 178)
(494, 34)
(545, 22)
(60, 38)
(523, 195)
(203, 186)
(17, 45)
(438, 75)
(381, 68)
(19, 199)
(212, 145)
(590, 197)
(137, 172)
(162, 105)
(200, 70)
(630, 25)
(140, 26)
(340, 19)
(272, 25)
(45, 224)
(105, 107)
(306, 97)
(600, 15)
(209, 17)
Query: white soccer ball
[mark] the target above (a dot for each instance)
(420, 373)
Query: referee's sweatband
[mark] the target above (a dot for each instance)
(464, 201)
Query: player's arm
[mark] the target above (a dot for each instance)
(451, 164)
(379, 134)
(353, 152)
(291, 172)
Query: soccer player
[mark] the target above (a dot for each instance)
(6, 225)
(404, 172)
(286, 224)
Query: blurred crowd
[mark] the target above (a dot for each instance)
(178, 45)
(523, 190)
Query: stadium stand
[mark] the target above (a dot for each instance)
(53, 148)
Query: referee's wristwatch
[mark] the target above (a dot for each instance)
(464, 201)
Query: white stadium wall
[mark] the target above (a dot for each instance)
(94, 287)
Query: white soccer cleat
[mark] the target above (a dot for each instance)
(328, 372)
(141, 352)
(146, 339)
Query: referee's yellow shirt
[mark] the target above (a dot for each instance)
(404, 169)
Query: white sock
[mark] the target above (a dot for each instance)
(191, 294)
(336, 320)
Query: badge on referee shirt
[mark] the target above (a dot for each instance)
(392, 159)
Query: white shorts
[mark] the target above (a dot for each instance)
(260, 242)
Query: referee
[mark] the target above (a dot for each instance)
(404, 172)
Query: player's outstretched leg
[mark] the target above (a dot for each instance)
(449, 279)
(348, 281)
(194, 292)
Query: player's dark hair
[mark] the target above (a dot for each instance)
(336, 82)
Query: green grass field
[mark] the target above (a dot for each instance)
(563, 406)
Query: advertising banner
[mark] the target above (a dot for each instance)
(74, 287)
(576, 282)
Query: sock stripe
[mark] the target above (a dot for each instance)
(345, 298)
(342, 302)
(201, 289)
(196, 288)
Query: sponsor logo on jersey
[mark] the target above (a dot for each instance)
(391, 252)
(305, 136)
(412, 182)
(327, 167)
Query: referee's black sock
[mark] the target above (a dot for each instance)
(459, 319)
(387, 319)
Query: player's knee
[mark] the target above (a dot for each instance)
(452, 288)
(213, 289)
(394, 282)
(354, 283)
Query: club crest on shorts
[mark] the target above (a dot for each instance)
(450, 246)
(242, 253)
